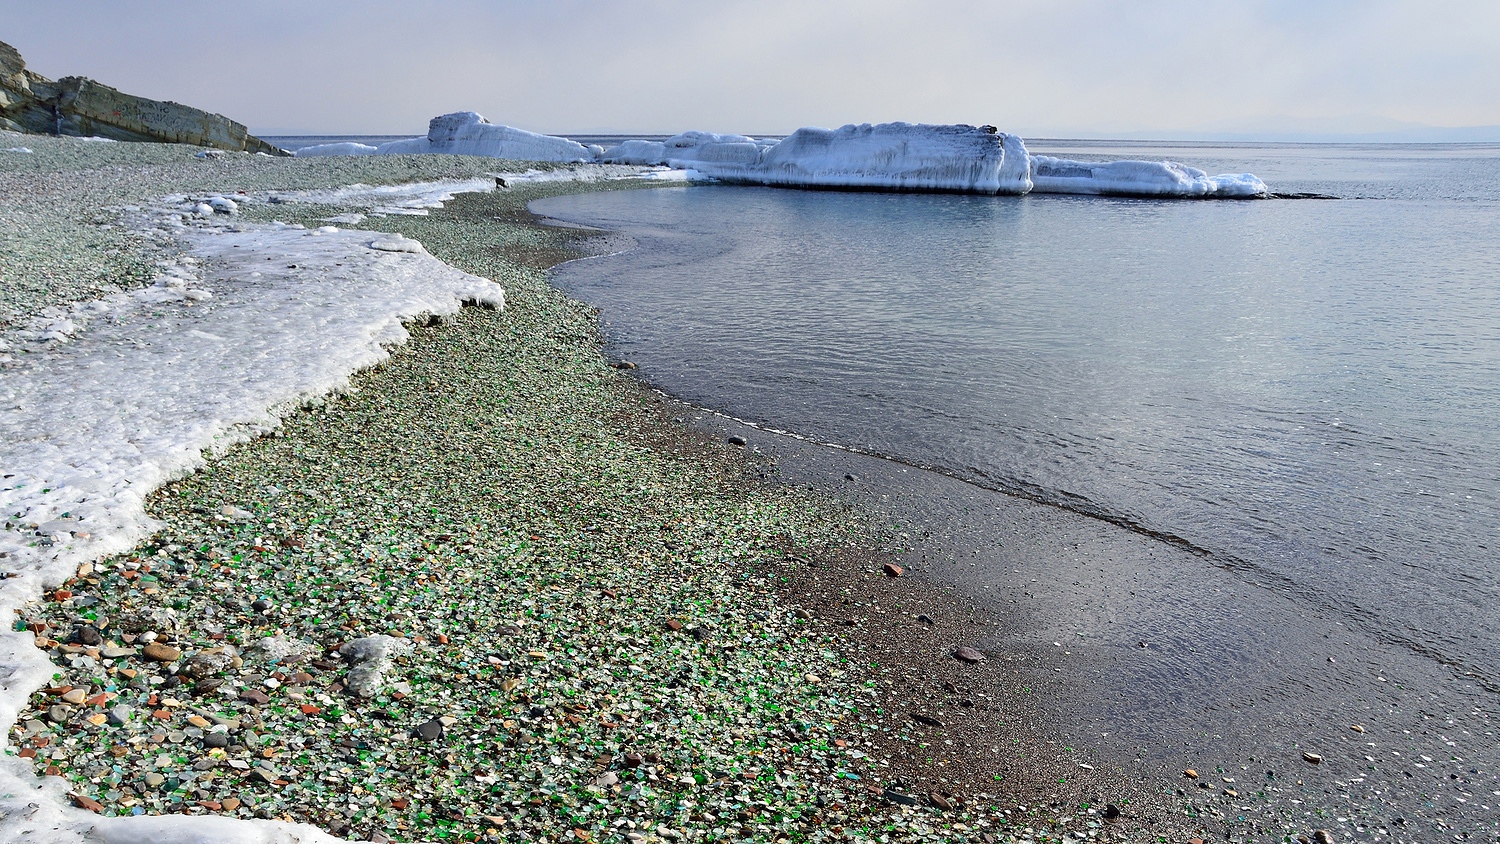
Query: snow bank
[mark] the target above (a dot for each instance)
(118, 396)
(1138, 178)
(687, 148)
(197, 362)
(468, 133)
(335, 149)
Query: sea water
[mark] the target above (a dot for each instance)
(1302, 392)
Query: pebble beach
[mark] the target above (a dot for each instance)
(496, 590)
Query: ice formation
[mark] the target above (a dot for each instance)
(468, 133)
(1137, 178)
(890, 156)
(887, 156)
(120, 395)
(335, 149)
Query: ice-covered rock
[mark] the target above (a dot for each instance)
(468, 133)
(888, 156)
(1137, 178)
(638, 153)
(335, 149)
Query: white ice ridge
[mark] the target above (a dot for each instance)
(887, 156)
(1137, 178)
(890, 156)
(135, 389)
(468, 133)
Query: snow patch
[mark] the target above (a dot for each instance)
(414, 199)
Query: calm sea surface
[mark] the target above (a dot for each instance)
(1308, 390)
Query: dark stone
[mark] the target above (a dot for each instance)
(926, 719)
(625, 364)
(631, 760)
(261, 605)
(735, 439)
(939, 802)
(430, 731)
(216, 740)
(898, 798)
(88, 635)
(255, 696)
(700, 633)
(967, 654)
(893, 570)
(1111, 811)
(924, 618)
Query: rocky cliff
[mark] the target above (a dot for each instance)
(82, 107)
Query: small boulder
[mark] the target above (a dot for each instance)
(967, 654)
(158, 652)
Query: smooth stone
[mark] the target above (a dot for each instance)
(159, 652)
(430, 731)
(120, 714)
(216, 740)
(88, 634)
(154, 780)
(967, 654)
(57, 713)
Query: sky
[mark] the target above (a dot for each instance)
(1061, 68)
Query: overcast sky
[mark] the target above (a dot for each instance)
(1056, 68)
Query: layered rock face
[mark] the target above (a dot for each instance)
(82, 107)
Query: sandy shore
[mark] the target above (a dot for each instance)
(606, 622)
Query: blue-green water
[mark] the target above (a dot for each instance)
(1307, 392)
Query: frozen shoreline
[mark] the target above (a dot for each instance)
(888, 156)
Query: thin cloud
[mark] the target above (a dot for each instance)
(1074, 66)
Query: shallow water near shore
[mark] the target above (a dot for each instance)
(1257, 438)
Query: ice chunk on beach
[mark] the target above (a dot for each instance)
(319, 150)
(468, 133)
(888, 156)
(684, 149)
(1137, 178)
